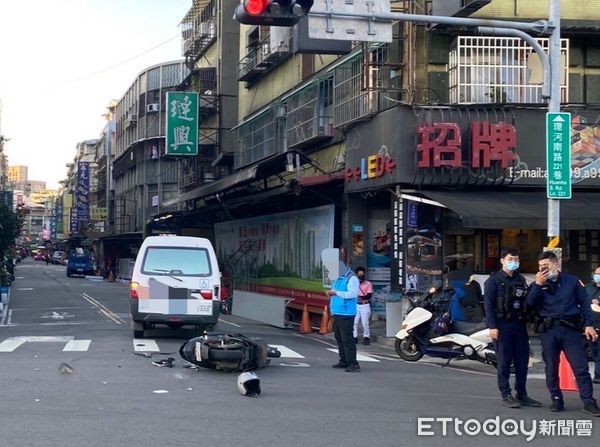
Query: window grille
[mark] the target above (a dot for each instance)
(500, 70)
(256, 139)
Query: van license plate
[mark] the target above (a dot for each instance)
(197, 307)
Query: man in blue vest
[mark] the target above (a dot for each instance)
(564, 309)
(343, 305)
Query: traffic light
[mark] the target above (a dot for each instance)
(272, 12)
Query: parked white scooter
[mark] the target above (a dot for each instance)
(426, 329)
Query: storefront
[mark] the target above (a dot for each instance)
(444, 189)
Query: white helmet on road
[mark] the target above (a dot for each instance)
(248, 384)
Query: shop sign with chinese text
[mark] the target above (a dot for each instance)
(181, 123)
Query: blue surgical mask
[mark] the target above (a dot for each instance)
(512, 265)
(552, 275)
(596, 278)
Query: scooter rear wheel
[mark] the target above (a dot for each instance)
(408, 349)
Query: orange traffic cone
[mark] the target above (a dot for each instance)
(566, 378)
(305, 327)
(111, 277)
(324, 329)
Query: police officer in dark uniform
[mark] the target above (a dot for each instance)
(505, 310)
(593, 293)
(565, 313)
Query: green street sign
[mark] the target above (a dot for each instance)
(558, 155)
(181, 126)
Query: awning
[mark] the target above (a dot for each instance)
(237, 179)
(264, 168)
(519, 209)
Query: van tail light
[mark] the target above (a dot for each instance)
(133, 292)
(206, 294)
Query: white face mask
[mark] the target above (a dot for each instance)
(552, 274)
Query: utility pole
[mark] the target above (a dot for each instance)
(553, 107)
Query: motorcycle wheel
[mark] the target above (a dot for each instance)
(408, 349)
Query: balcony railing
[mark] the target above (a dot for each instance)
(262, 58)
(198, 28)
(310, 114)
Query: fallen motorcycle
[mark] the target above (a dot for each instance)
(228, 352)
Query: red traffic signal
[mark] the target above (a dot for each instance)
(272, 12)
(255, 7)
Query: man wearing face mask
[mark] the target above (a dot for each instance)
(505, 310)
(593, 293)
(563, 305)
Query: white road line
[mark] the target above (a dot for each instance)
(228, 322)
(9, 345)
(77, 345)
(287, 352)
(145, 345)
(359, 357)
(25, 288)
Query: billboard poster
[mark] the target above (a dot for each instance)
(282, 250)
(82, 193)
(424, 259)
(379, 257)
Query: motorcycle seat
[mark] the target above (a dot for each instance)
(467, 328)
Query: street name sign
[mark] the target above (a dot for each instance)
(558, 155)
(323, 23)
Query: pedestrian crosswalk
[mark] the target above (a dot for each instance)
(68, 343)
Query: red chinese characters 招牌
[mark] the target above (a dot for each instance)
(492, 142)
(439, 145)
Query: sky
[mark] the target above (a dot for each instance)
(62, 61)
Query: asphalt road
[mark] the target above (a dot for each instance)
(106, 394)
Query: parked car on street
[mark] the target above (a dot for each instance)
(58, 257)
(80, 263)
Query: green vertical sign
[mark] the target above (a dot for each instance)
(181, 126)
(558, 155)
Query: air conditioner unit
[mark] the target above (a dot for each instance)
(204, 29)
(132, 117)
(152, 108)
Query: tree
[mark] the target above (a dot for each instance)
(9, 225)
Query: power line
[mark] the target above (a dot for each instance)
(118, 64)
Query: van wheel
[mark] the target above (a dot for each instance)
(138, 334)
(138, 329)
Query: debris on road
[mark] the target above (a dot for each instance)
(165, 362)
(65, 368)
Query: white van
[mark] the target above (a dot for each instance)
(176, 281)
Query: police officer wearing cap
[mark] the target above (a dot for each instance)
(563, 306)
(505, 308)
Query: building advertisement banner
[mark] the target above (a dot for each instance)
(464, 145)
(82, 193)
(282, 250)
(181, 127)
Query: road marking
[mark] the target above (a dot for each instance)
(25, 288)
(145, 345)
(77, 345)
(103, 309)
(9, 345)
(12, 343)
(57, 315)
(359, 357)
(287, 352)
(221, 320)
